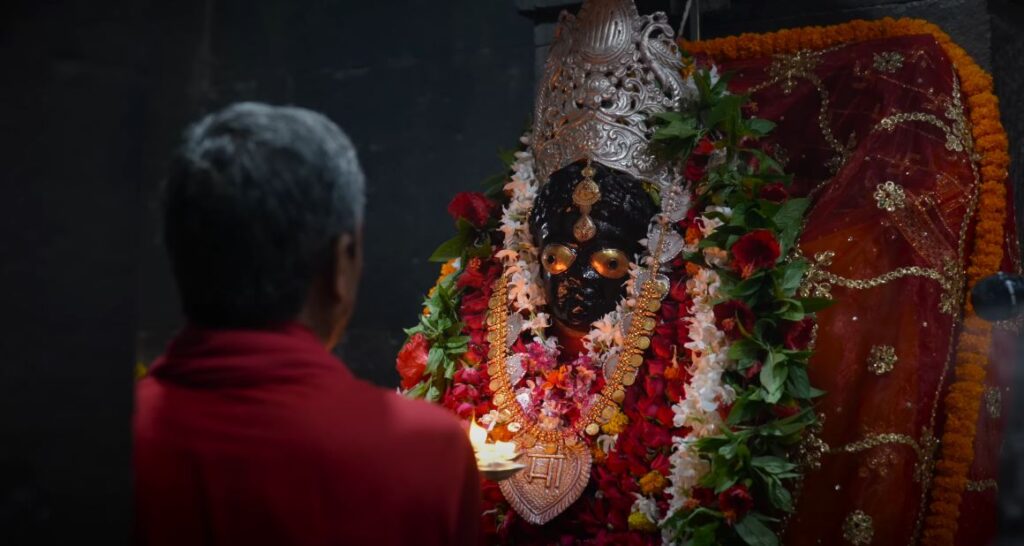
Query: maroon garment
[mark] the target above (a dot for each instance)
(262, 437)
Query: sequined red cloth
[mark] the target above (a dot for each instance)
(876, 133)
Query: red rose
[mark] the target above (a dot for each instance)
(654, 386)
(473, 302)
(774, 192)
(693, 172)
(469, 376)
(665, 416)
(412, 360)
(669, 311)
(475, 322)
(682, 334)
(474, 207)
(735, 502)
(465, 410)
(754, 370)
(662, 347)
(704, 495)
(733, 314)
(704, 147)
(798, 334)
(756, 250)
(782, 411)
(678, 290)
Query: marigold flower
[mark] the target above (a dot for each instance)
(638, 522)
(652, 483)
(616, 424)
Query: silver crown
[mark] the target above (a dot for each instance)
(609, 69)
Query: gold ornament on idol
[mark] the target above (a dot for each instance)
(585, 195)
(558, 461)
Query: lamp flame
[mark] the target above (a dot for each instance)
(490, 454)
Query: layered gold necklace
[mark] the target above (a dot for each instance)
(558, 461)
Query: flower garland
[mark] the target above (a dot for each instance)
(699, 447)
(749, 401)
(964, 397)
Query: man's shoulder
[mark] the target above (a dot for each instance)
(413, 418)
(402, 425)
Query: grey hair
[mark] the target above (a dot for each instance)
(255, 199)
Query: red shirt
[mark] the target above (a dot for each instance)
(262, 437)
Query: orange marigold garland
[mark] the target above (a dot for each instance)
(964, 397)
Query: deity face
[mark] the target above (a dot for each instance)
(584, 277)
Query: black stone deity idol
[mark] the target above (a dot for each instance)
(587, 222)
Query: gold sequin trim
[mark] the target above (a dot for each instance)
(859, 528)
(890, 196)
(819, 280)
(882, 359)
(888, 61)
(993, 402)
(785, 70)
(925, 449)
(982, 485)
(1014, 325)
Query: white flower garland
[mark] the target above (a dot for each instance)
(705, 393)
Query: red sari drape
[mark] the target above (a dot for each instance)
(877, 133)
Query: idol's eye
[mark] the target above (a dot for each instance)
(557, 258)
(610, 262)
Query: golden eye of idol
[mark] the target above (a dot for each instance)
(557, 258)
(610, 263)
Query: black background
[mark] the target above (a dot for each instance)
(93, 97)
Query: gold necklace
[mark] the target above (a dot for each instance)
(558, 461)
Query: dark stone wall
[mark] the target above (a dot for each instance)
(428, 91)
(1007, 64)
(94, 96)
(71, 104)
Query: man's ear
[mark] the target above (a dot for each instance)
(348, 265)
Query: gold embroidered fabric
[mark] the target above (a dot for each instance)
(982, 485)
(858, 529)
(890, 196)
(888, 61)
(882, 359)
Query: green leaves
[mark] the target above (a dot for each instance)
(787, 281)
(755, 533)
(675, 136)
(773, 376)
(774, 403)
(789, 221)
(443, 330)
(454, 247)
(468, 242)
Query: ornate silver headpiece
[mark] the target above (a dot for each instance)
(609, 69)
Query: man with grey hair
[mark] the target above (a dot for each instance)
(247, 430)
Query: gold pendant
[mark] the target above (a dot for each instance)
(554, 477)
